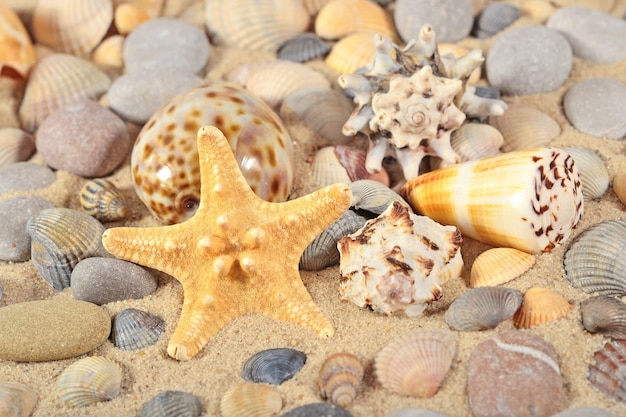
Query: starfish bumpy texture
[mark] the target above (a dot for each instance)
(238, 254)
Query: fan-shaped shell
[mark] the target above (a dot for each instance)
(593, 173)
(494, 18)
(135, 329)
(303, 47)
(89, 380)
(416, 363)
(499, 265)
(374, 196)
(524, 127)
(483, 308)
(101, 199)
(273, 366)
(16, 399)
(541, 305)
(351, 53)
(339, 18)
(72, 26)
(596, 260)
(340, 378)
(16, 49)
(250, 400)
(604, 314)
(607, 373)
(172, 404)
(476, 140)
(15, 146)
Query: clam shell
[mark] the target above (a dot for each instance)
(251, 400)
(340, 18)
(373, 196)
(476, 140)
(60, 238)
(541, 305)
(619, 183)
(604, 314)
(273, 366)
(16, 399)
(499, 265)
(607, 373)
(351, 53)
(17, 54)
(592, 169)
(58, 80)
(596, 260)
(134, 329)
(494, 18)
(172, 404)
(303, 47)
(128, 16)
(524, 127)
(483, 308)
(340, 378)
(101, 199)
(88, 381)
(15, 146)
(416, 363)
(72, 26)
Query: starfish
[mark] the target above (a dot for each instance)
(238, 254)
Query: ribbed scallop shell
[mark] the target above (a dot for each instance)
(273, 366)
(101, 199)
(499, 265)
(72, 26)
(539, 306)
(524, 127)
(416, 363)
(266, 26)
(373, 196)
(340, 378)
(476, 140)
(134, 329)
(16, 400)
(303, 47)
(494, 18)
(607, 373)
(351, 53)
(60, 238)
(172, 404)
(89, 380)
(250, 400)
(57, 80)
(273, 81)
(483, 308)
(604, 314)
(339, 18)
(15, 146)
(596, 260)
(16, 49)
(592, 170)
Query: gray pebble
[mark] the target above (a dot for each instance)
(529, 60)
(104, 280)
(14, 215)
(136, 96)
(595, 36)
(494, 18)
(451, 19)
(25, 176)
(83, 138)
(166, 43)
(596, 107)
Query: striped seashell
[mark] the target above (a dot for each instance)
(15, 146)
(374, 196)
(596, 260)
(604, 314)
(539, 306)
(272, 81)
(607, 373)
(88, 381)
(416, 363)
(172, 404)
(101, 199)
(476, 140)
(529, 200)
(483, 308)
(250, 399)
(128, 16)
(494, 18)
(265, 27)
(351, 53)
(58, 80)
(592, 170)
(134, 329)
(72, 26)
(340, 378)
(339, 18)
(16, 399)
(110, 52)
(17, 54)
(273, 366)
(619, 183)
(499, 265)
(303, 47)
(524, 127)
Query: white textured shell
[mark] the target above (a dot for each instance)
(398, 261)
(89, 380)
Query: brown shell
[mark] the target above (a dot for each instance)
(607, 373)
(541, 305)
(101, 199)
(340, 378)
(499, 265)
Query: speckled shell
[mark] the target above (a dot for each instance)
(134, 329)
(101, 199)
(607, 372)
(16, 400)
(303, 47)
(273, 366)
(524, 127)
(15, 146)
(497, 266)
(172, 404)
(483, 308)
(539, 306)
(17, 54)
(339, 18)
(164, 160)
(604, 314)
(89, 380)
(340, 378)
(592, 169)
(351, 53)
(250, 399)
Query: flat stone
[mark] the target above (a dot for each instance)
(25, 176)
(451, 19)
(14, 215)
(48, 330)
(514, 374)
(596, 107)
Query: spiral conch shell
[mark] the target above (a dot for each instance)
(397, 262)
(529, 200)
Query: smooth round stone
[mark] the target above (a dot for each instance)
(514, 374)
(317, 409)
(595, 36)
(104, 280)
(136, 96)
(494, 18)
(166, 43)
(14, 215)
(529, 60)
(48, 330)
(83, 138)
(451, 19)
(596, 107)
(584, 412)
(25, 176)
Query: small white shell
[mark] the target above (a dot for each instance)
(89, 380)
(592, 170)
(16, 400)
(374, 196)
(524, 127)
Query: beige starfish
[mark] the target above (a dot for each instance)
(238, 254)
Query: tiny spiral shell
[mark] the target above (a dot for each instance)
(101, 199)
(340, 378)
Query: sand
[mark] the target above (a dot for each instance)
(362, 332)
